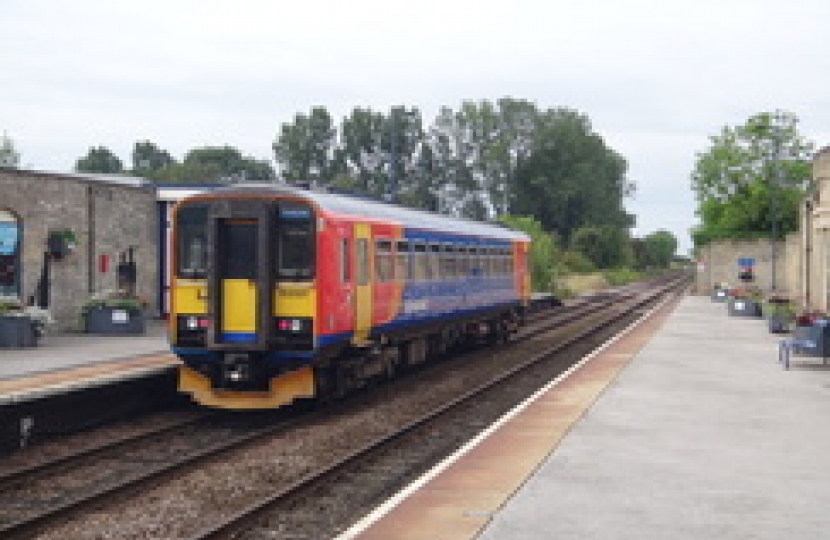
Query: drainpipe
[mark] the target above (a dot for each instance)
(90, 245)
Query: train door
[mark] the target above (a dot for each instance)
(363, 283)
(240, 279)
(237, 276)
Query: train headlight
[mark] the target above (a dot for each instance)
(192, 323)
(296, 325)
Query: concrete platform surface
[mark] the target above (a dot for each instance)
(62, 351)
(702, 436)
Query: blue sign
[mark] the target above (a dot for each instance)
(8, 238)
(743, 263)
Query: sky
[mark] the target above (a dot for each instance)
(656, 78)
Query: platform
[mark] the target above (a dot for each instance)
(687, 428)
(63, 362)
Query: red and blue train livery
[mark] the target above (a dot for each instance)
(280, 293)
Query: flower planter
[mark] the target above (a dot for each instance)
(113, 321)
(812, 340)
(779, 324)
(743, 307)
(17, 332)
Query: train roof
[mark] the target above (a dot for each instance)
(354, 205)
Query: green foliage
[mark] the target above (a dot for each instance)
(305, 147)
(9, 156)
(543, 267)
(149, 160)
(621, 276)
(211, 164)
(571, 179)
(113, 300)
(576, 262)
(10, 304)
(658, 250)
(751, 179)
(606, 247)
(99, 160)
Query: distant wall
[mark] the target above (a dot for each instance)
(719, 264)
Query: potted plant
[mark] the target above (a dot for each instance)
(61, 243)
(18, 328)
(113, 312)
(745, 302)
(720, 292)
(811, 334)
(780, 313)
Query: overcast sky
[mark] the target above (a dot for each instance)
(656, 78)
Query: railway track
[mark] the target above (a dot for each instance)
(305, 509)
(141, 464)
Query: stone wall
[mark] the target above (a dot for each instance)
(720, 264)
(107, 215)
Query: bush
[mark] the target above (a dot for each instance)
(576, 262)
(621, 276)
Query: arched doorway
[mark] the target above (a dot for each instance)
(10, 252)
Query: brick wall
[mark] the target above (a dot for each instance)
(106, 216)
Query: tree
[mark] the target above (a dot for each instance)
(99, 160)
(751, 179)
(606, 246)
(149, 159)
(658, 250)
(305, 148)
(543, 253)
(570, 178)
(9, 156)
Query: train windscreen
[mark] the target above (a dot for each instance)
(191, 240)
(295, 242)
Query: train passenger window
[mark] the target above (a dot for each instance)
(475, 262)
(402, 271)
(448, 262)
(191, 240)
(295, 241)
(362, 261)
(509, 259)
(434, 261)
(384, 261)
(463, 264)
(345, 261)
(420, 266)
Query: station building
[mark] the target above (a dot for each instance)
(64, 235)
(797, 267)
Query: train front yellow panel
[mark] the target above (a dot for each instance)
(295, 300)
(238, 310)
(190, 297)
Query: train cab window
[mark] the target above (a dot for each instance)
(345, 261)
(191, 240)
(434, 257)
(384, 261)
(420, 264)
(402, 271)
(295, 241)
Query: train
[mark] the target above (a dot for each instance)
(280, 293)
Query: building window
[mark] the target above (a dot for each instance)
(10, 249)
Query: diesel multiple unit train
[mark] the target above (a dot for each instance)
(280, 293)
